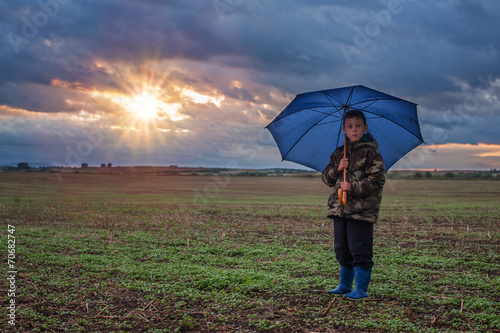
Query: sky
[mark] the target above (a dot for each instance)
(194, 83)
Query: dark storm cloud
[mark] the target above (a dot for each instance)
(293, 38)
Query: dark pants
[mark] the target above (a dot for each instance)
(353, 240)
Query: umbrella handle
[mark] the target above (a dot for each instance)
(342, 197)
(343, 194)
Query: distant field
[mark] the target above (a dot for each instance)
(165, 253)
(160, 188)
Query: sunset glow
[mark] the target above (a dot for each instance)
(202, 99)
(452, 156)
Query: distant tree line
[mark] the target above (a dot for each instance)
(103, 165)
(493, 173)
(26, 166)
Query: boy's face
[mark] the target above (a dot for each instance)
(354, 128)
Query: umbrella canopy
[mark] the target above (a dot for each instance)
(309, 129)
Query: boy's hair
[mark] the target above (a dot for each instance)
(354, 114)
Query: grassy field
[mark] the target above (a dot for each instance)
(157, 253)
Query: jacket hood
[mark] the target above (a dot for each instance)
(366, 141)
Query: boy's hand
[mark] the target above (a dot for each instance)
(345, 186)
(344, 163)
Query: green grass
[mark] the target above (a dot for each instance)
(115, 262)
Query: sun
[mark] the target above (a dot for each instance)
(145, 105)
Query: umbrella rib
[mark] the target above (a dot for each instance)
(388, 119)
(380, 99)
(297, 141)
(406, 129)
(373, 101)
(338, 110)
(310, 109)
(329, 97)
(325, 113)
(350, 96)
(381, 116)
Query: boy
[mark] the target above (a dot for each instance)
(353, 223)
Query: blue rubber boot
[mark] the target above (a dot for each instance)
(363, 277)
(346, 278)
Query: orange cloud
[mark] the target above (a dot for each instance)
(455, 156)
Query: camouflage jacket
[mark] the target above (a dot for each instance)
(366, 173)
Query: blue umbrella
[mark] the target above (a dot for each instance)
(309, 129)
